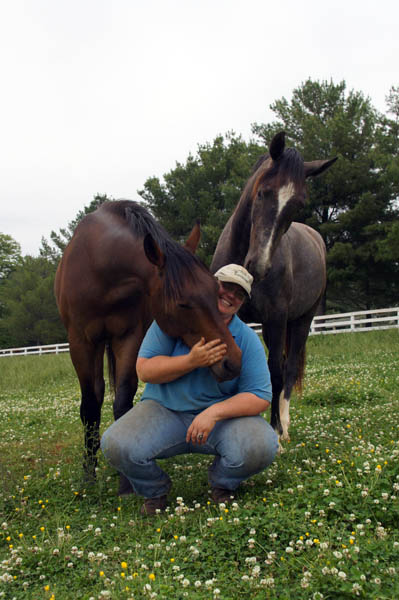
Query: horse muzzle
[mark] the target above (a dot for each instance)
(226, 369)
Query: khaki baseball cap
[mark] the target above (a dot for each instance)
(236, 274)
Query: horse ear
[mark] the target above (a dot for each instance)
(317, 166)
(277, 145)
(194, 238)
(153, 251)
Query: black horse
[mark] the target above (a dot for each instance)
(286, 259)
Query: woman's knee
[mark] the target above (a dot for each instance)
(254, 444)
(111, 446)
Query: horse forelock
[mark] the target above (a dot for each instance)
(181, 269)
(289, 166)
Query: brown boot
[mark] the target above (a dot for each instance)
(152, 505)
(220, 495)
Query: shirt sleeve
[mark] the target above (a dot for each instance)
(255, 374)
(156, 343)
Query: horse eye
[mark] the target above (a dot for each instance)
(182, 305)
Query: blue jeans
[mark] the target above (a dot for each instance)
(242, 447)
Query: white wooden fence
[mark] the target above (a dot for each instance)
(365, 320)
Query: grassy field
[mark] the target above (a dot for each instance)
(322, 522)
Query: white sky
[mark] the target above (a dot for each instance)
(98, 95)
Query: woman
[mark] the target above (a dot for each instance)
(183, 408)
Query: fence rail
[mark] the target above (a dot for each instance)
(365, 320)
(362, 320)
(28, 350)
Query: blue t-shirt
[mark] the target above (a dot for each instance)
(198, 389)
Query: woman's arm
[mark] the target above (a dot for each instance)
(244, 404)
(162, 369)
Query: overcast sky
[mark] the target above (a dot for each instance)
(98, 95)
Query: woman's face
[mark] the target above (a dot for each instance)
(230, 299)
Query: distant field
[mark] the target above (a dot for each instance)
(321, 523)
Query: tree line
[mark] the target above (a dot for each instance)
(354, 206)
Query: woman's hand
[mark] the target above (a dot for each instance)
(201, 427)
(206, 354)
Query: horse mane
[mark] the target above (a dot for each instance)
(180, 263)
(289, 165)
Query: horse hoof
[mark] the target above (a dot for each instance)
(281, 448)
(125, 487)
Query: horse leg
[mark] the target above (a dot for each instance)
(274, 336)
(297, 333)
(88, 362)
(125, 352)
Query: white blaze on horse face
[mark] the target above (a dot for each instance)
(284, 196)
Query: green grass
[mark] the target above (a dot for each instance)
(322, 522)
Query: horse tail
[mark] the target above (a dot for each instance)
(111, 366)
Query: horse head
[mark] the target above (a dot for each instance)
(276, 193)
(183, 297)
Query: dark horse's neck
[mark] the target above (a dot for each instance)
(241, 225)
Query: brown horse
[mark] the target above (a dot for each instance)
(286, 259)
(120, 271)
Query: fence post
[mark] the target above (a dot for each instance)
(352, 322)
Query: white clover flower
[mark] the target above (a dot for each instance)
(216, 592)
(342, 574)
(185, 582)
(289, 550)
(197, 584)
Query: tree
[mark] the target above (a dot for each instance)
(353, 204)
(10, 255)
(206, 188)
(30, 313)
